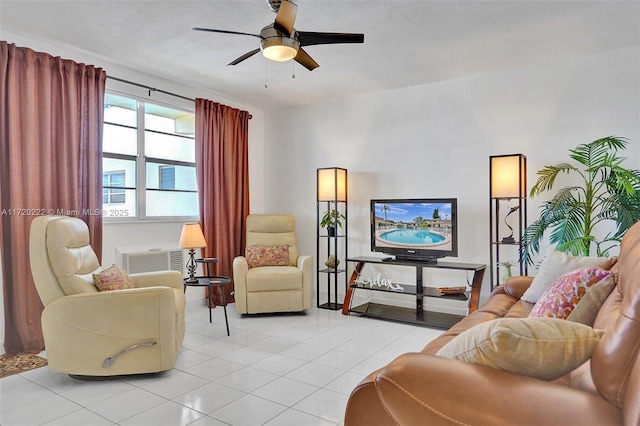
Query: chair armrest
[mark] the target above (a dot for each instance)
(425, 389)
(305, 263)
(240, 269)
(159, 278)
(100, 310)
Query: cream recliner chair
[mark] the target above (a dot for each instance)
(272, 288)
(92, 333)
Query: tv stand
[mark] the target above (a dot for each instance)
(415, 315)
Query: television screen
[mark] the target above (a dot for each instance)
(421, 229)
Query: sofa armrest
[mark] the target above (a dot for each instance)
(159, 278)
(424, 389)
(514, 287)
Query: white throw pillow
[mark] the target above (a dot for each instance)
(556, 264)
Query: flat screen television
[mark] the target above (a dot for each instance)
(416, 229)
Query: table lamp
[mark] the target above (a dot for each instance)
(192, 238)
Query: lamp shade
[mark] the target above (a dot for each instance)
(508, 176)
(192, 236)
(332, 184)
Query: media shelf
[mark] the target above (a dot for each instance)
(413, 290)
(418, 291)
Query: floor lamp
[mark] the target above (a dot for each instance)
(507, 183)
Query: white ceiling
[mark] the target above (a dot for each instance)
(406, 42)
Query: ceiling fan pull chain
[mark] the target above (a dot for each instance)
(293, 69)
(266, 76)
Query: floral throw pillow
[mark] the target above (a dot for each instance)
(562, 296)
(113, 278)
(277, 255)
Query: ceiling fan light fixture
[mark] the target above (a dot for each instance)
(279, 48)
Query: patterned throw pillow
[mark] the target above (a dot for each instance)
(268, 255)
(564, 293)
(113, 278)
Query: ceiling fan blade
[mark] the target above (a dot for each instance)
(243, 57)
(210, 30)
(308, 38)
(286, 17)
(305, 60)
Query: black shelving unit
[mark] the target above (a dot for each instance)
(416, 291)
(331, 195)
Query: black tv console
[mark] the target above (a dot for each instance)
(409, 315)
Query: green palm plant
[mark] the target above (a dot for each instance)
(607, 192)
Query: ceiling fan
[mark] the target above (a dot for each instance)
(281, 42)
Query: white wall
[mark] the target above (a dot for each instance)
(435, 141)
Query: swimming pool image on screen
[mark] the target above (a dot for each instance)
(412, 236)
(419, 225)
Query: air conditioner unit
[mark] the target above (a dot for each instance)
(151, 260)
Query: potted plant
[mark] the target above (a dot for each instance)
(507, 265)
(330, 219)
(603, 191)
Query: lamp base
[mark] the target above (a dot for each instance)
(191, 267)
(508, 240)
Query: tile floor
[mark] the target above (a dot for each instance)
(273, 370)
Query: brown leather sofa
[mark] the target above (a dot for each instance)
(424, 389)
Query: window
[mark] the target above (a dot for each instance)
(148, 160)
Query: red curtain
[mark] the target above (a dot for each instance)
(222, 172)
(51, 114)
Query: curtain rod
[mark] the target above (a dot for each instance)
(153, 89)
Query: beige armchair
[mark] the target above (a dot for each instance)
(109, 333)
(272, 288)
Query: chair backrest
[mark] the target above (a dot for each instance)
(62, 261)
(615, 365)
(273, 229)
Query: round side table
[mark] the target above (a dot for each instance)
(210, 283)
